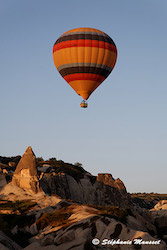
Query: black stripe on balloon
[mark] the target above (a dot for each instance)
(85, 37)
(92, 70)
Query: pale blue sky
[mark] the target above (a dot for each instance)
(124, 130)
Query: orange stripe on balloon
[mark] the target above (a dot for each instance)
(84, 76)
(84, 43)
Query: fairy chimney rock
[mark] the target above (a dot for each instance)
(25, 175)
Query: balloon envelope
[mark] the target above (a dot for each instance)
(84, 57)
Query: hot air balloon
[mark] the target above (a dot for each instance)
(84, 57)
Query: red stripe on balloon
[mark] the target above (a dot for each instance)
(84, 43)
(84, 76)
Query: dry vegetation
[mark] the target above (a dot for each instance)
(62, 217)
(147, 200)
(55, 219)
(149, 196)
(17, 206)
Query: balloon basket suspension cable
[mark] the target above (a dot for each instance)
(84, 104)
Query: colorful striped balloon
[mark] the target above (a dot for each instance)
(84, 57)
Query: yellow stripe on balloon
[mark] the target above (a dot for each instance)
(84, 54)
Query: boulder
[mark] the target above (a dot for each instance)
(33, 229)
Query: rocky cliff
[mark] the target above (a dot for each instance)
(100, 190)
(56, 205)
(69, 182)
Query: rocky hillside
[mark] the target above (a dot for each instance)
(56, 205)
(147, 201)
(66, 180)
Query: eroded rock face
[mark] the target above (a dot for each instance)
(25, 175)
(7, 244)
(104, 190)
(108, 180)
(159, 215)
(72, 182)
(80, 234)
(84, 222)
(3, 181)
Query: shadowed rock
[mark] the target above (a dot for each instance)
(3, 181)
(7, 243)
(105, 190)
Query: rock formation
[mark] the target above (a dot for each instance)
(25, 175)
(69, 182)
(159, 215)
(7, 244)
(3, 181)
(100, 190)
(79, 208)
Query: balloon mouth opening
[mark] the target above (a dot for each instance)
(84, 94)
(84, 104)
